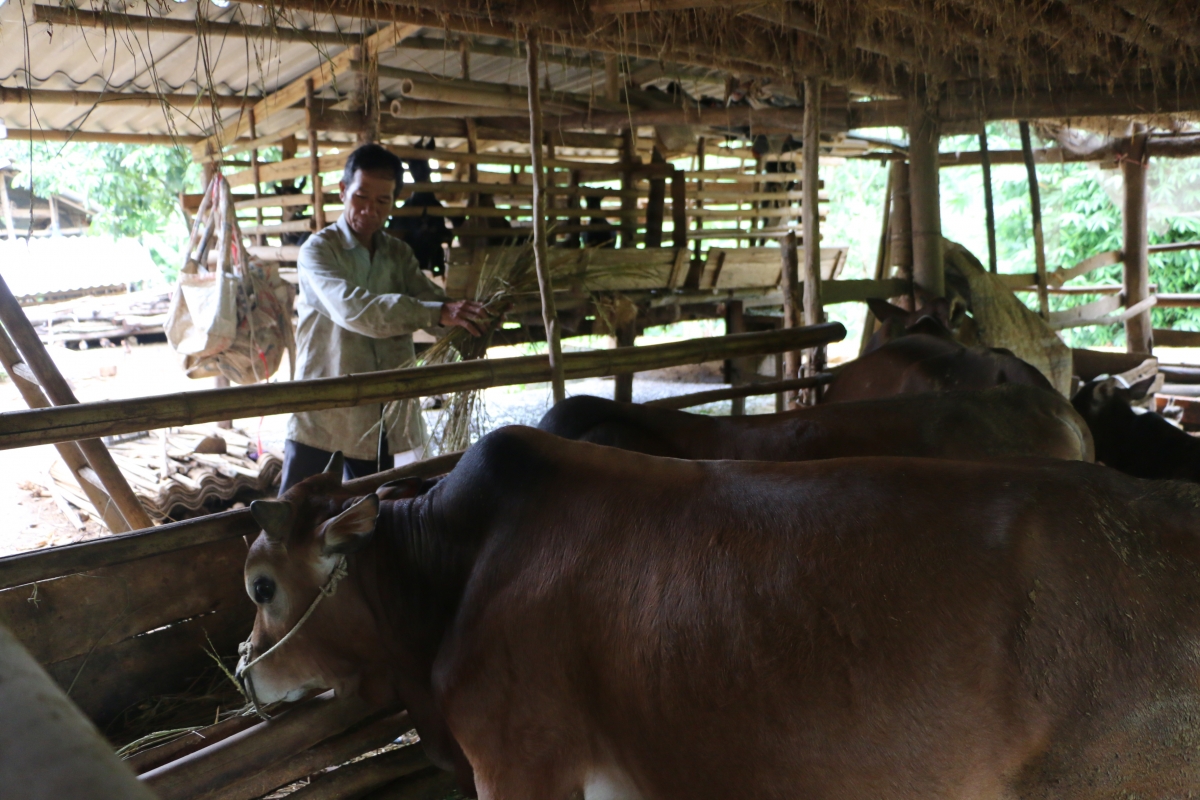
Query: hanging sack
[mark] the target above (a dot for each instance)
(235, 319)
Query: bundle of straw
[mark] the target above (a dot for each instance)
(505, 279)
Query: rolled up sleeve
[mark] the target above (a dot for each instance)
(326, 286)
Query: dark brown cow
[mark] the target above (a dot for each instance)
(581, 621)
(1009, 420)
(922, 362)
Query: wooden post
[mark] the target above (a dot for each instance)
(699, 190)
(985, 161)
(318, 191)
(811, 216)
(678, 210)
(900, 239)
(881, 260)
(69, 452)
(1035, 207)
(628, 203)
(1139, 334)
(464, 57)
(55, 226)
(540, 254)
(6, 208)
(612, 78)
(626, 335)
(259, 238)
(34, 354)
(654, 204)
(366, 95)
(929, 272)
(735, 322)
(790, 283)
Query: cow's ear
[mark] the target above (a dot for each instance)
(274, 517)
(883, 310)
(401, 489)
(1140, 389)
(350, 530)
(336, 464)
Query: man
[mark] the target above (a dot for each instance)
(361, 297)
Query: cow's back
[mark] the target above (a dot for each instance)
(850, 628)
(923, 363)
(1007, 421)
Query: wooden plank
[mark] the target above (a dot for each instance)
(1164, 337)
(326, 71)
(67, 617)
(760, 266)
(109, 680)
(1060, 276)
(616, 270)
(291, 168)
(834, 292)
(1082, 315)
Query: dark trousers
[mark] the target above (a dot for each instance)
(301, 461)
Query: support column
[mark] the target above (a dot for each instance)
(881, 260)
(735, 322)
(811, 216)
(654, 204)
(626, 335)
(1139, 333)
(900, 243)
(985, 161)
(6, 209)
(318, 191)
(541, 256)
(1035, 208)
(629, 157)
(259, 238)
(789, 284)
(923, 134)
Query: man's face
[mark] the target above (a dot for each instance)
(368, 200)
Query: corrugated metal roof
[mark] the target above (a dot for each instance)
(71, 263)
(67, 57)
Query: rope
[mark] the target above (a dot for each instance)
(340, 571)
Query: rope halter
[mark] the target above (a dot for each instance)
(242, 672)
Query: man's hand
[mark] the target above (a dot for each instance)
(465, 314)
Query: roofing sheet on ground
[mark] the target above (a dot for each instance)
(68, 263)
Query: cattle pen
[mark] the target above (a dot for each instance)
(645, 163)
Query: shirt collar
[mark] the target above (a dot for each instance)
(349, 240)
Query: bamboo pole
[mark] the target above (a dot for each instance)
(813, 310)
(679, 232)
(790, 284)
(655, 203)
(698, 199)
(26, 97)
(317, 190)
(628, 203)
(34, 354)
(6, 209)
(65, 423)
(929, 274)
(70, 453)
(1139, 334)
(900, 239)
(259, 239)
(985, 161)
(291, 732)
(1035, 207)
(540, 254)
(881, 260)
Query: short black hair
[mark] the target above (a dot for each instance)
(373, 158)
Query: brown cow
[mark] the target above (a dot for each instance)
(916, 352)
(588, 622)
(1008, 420)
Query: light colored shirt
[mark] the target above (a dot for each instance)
(357, 314)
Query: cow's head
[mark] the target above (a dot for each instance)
(305, 555)
(1108, 393)
(938, 318)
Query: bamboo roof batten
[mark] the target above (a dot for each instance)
(22, 96)
(200, 25)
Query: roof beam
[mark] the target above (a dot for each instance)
(25, 134)
(199, 26)
(73, 97)
(325, 72)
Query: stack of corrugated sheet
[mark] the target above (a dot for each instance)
(89, 320)
(174, 481)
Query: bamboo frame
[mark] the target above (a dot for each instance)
(1139, 333)
(540, 254)
(58, 392)
(811, 219)
(24, 97)
(1035, 207)
(108, 417)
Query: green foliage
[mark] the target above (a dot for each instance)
(136, 187)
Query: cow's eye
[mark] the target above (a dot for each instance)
(264, 590)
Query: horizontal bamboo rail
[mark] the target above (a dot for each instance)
(40, 565)
(111, 417)
(61, 97)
